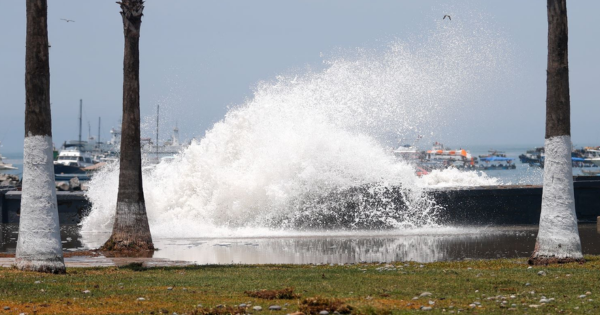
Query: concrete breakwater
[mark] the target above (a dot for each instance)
(480, 205)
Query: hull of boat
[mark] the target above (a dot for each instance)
(596, 161)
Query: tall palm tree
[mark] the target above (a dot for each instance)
(131, 231)
(558, 238)
(38, 247)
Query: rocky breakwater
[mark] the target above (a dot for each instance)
(8, 181)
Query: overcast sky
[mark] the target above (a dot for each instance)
(200, 57)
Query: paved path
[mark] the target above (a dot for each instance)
(101, 261)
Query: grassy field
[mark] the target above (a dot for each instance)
(505, 286)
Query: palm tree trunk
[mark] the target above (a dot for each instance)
(38, 247)
(131, 231)
(558, 238)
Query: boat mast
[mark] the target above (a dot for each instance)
(80, 111)
(157, 112)
(99, 123)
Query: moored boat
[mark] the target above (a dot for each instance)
(6, 166)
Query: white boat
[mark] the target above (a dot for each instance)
(409, 152)
(6, 166)
(593, 157)
(72, 156)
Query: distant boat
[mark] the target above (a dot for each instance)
(6, 166)
(72, 156)
(593, 157)
(591, 172)
(155, 152)
(492, 153)
(533, 156)
(409, 152)
(509, 165)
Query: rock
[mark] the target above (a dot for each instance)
(141, 299)
(274, 308)
(541, 273)
(257, 308)
(74, 183)
(424, 294)
(323, 313)
(242, 305)
(426, 308)
(62, 186)
(86, 291)
(527, 284)
(170, 288)
(472, 305)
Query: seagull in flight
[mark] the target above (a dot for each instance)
(67, 20)
(447, 16)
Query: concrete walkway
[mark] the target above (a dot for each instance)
(101, 261)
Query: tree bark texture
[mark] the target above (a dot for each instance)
(39, 246)
(558, 105)
(131, 231)
(558, 237)
(37, 71)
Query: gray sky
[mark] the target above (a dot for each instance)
(200, 57)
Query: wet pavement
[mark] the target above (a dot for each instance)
(321, 247)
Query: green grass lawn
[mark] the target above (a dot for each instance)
(471, 287)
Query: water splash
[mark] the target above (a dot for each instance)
(308, 150)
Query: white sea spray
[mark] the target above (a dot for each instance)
(308, 150)
(456, 178)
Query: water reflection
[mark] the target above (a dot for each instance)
(446, 244)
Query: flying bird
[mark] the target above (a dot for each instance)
(67, 20)
(446, 15)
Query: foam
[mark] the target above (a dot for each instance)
(308, 143)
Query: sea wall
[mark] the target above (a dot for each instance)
(72, 206)
(487, 205)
